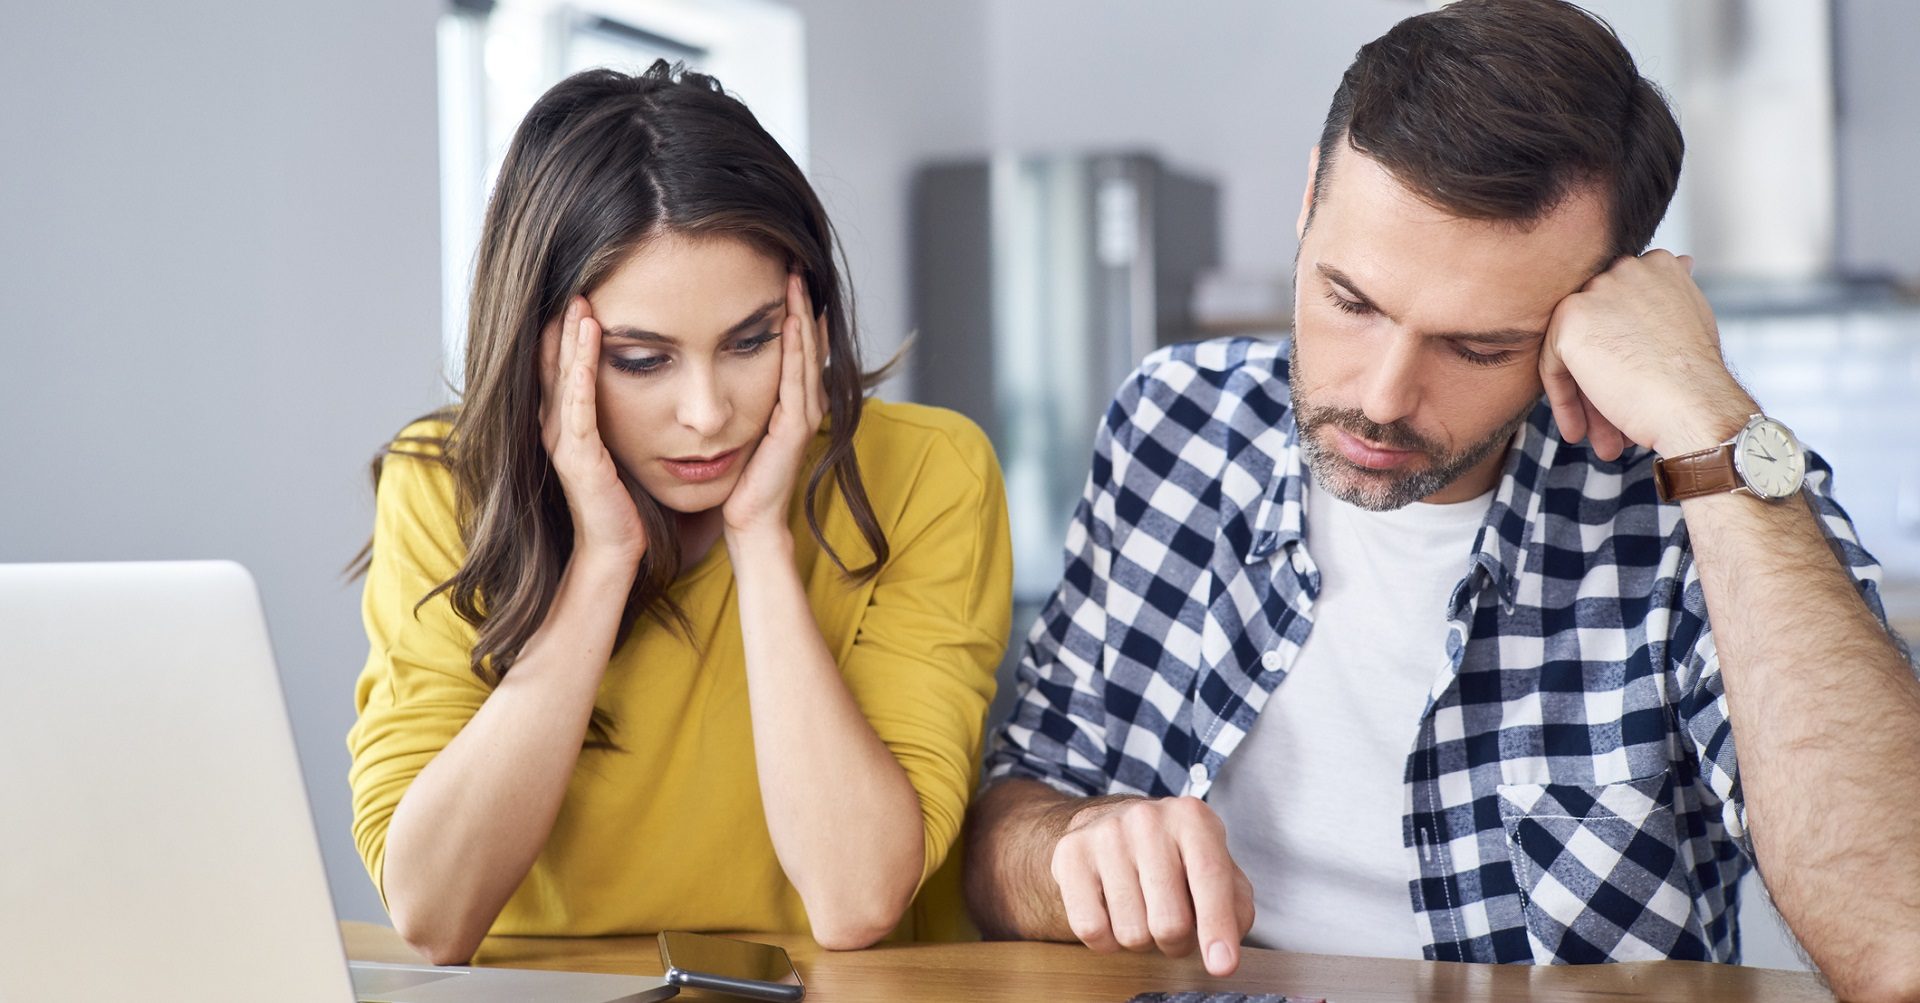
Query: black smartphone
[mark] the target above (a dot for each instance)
(740, 967)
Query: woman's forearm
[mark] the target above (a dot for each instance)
(471, 824)
(845, 820)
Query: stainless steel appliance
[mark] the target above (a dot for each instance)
(1039, 283)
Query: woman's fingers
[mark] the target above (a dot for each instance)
(808, 333)
(568, 418)
(582, 420)
(596, 489)
(812, 331)
(794, 333)
(558, 344)
(788, 407)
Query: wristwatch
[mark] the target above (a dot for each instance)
(1763, 459)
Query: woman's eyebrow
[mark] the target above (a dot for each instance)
(628, 333)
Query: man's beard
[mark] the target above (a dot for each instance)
(1382, 490)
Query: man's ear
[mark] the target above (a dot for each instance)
(1306, 197)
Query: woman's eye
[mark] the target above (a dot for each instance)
(641, 364)
(1345, 305)
(748, 346)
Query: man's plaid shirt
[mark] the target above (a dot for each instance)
(1572, 793)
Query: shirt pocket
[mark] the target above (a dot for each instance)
(1600, 870)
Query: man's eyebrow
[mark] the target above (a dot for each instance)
(1504, 336)
(744, 325)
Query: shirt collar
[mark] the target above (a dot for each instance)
(1279, 521)
(1500, 551)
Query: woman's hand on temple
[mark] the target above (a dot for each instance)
(759, 500)
(605, 520)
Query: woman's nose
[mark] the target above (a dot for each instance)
(703, 407)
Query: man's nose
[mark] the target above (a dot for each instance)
(1393, 385)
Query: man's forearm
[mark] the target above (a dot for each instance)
(1011, 834)
(1826, 721)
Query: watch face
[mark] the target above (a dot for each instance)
(1769, 459)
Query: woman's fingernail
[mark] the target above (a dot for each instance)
(1218, 955)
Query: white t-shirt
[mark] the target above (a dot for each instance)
(1314, 797)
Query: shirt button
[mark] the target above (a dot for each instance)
(1198, 774)
(1270, 660)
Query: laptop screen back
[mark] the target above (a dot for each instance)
(158, 843)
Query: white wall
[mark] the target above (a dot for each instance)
(1879, 137)
(218, 272)
(890, 85)
(1231, 89)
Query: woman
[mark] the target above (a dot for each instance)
(671, 627)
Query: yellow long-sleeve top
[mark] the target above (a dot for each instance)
(667, 832)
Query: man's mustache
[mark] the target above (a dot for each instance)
(1393, 436)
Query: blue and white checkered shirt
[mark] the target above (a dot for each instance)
(1572, 787)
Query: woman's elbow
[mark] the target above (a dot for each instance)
(441, 943)
(849, 930)
(859, 919)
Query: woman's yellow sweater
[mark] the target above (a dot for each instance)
(667, 832)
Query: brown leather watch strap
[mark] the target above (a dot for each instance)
(1690, 475)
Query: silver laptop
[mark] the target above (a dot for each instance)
(155, 837)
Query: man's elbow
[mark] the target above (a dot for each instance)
(1889, 975)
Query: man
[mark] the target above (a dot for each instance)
(1368, 648)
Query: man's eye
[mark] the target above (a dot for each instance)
(1345, 305)
(1482, 358)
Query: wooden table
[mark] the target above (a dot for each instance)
(1045, 973)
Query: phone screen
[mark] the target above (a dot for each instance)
(738, 966)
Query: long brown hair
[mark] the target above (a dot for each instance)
(604, 162)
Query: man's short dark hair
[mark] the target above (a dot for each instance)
(1501, 109)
